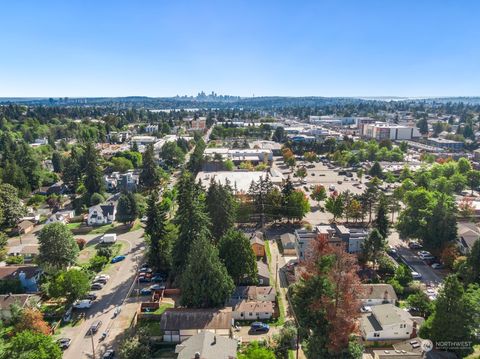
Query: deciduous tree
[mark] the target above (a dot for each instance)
(58, 249)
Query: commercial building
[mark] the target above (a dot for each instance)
(387, 131)
(446, 144)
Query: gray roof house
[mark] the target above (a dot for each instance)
(288, 243)
(207, 345)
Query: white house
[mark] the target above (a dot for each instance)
(388, 322)
(253, 310)
(101, 214)
(56, 217)
(376, 294)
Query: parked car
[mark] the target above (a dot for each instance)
(94, 327)
(257, 327)
(365, 309)
(437, 266)
(146, 291)
(91, 296)
(339, 182)
(64, 343)
(96, 286)
(414, 245)
(117, 259)
(82, 304)
(157, 287)
(416, 275)
(331, 187)
(143, 279)
(102, 276)
(100, 280)
(109, 354)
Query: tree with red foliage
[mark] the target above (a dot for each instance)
(32, 319)
(326, 300)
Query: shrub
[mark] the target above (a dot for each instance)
(14, 260)
(104, 252)
(97, 263)
(81, 243)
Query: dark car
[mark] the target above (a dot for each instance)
(143, 279)
(94, 327)
(101, 281)
(96, 286)
(109, 354)
(146, 291)
(158, 278)
(91, 296)
(258, 327)
(64, 343)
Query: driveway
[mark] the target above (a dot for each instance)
(122, 276)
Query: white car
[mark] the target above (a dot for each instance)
(416, 275)
(102, 276)
(332, 187)
(82, 304)
(437, 266)
(365, 309)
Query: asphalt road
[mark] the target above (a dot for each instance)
(122, 276)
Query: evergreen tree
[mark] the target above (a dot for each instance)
(11, 208)
(237, 255)
(57, 162)
(93, 179)
(127, 208)
(205, 282)
(191, 217)
(453, 317)
(296, 205)
(373, 245)
(160, 247)
(221, 206)
(381, 222)
(149, 176)
(376, 170)
(72, 169)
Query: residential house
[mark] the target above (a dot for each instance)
(25, 227)
(257, 244)
(128, 182)
(22, 300)
(352, 237)
(376, 294)
(110, 182)
(263, 273)
(179, 324)
(288, 244)
(207, 345)
(101, 214)
(58, 188)
(28, 252)
(253, 310)
(28, 276)
(388, 322)
(253, 293)
(31, 216)
(467, 234)
(56, 218)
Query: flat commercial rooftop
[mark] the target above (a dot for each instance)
(239, 180)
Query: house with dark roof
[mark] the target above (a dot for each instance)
(388, 322)
(28, 276)
(376, 294)
(263, 273)
(207, 345)
(253, 293)
(179, 324)
(101, 214)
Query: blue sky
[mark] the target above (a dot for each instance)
(293, 48)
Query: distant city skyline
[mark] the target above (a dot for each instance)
(241, 48)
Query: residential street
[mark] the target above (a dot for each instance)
(112, 295)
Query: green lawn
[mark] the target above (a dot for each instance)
(163, 307)
(152, 328)
(103, 229)
(281, 315)
(136, 226)
(291, 354)
(75, 225)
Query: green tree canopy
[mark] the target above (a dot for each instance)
(149, 176)
(237, 255)
(127, 208)
(30, 345)
(205, 282)
(58, 249)
(71, 284)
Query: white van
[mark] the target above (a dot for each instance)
(109, 238)
(82, 304)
